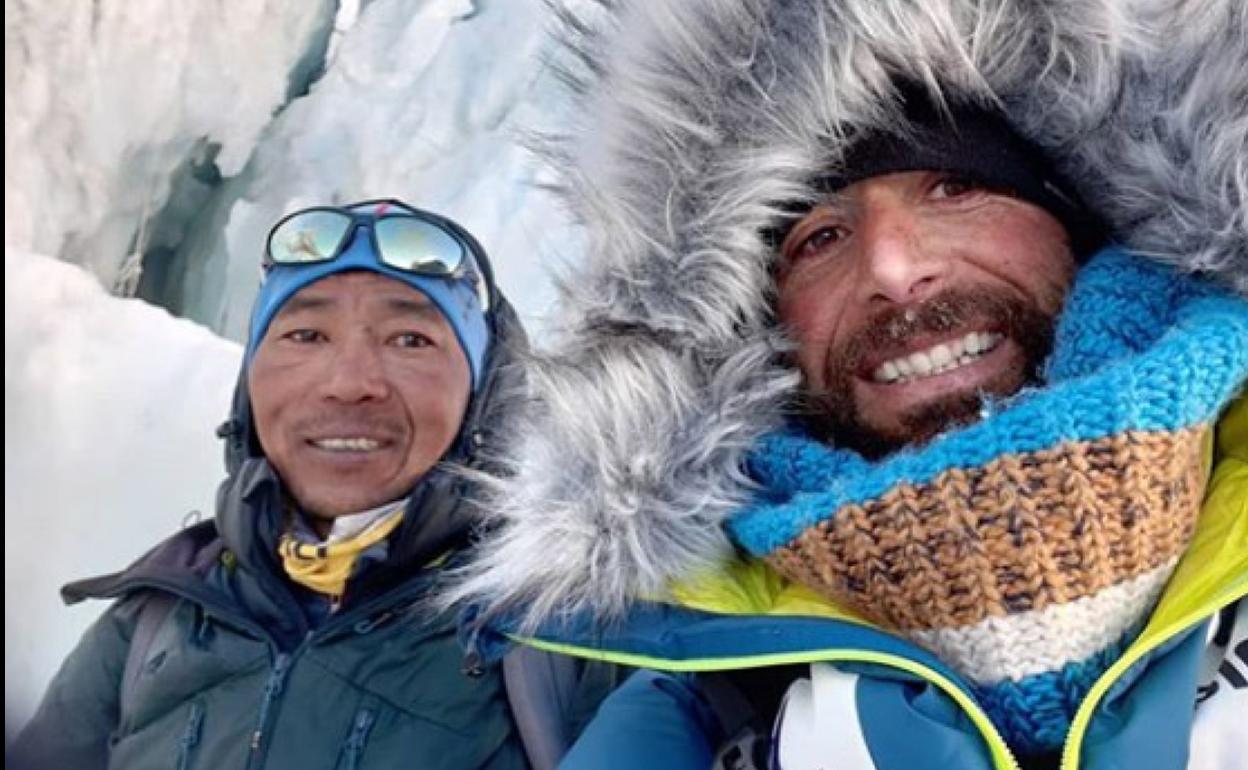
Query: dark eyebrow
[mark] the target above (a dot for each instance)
(837, 201)
(299, 303)
(422, 307)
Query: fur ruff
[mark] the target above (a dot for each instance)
(692, 122)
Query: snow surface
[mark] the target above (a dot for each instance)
(109, 411)
(171, 135)
(424, 107)
(103, 101)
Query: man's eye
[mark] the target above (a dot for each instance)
(412, 340)
(304, 336)
(818, 241)
(955, 187)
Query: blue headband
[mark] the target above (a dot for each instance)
(455, 297)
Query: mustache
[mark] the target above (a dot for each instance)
(948, 311)
(350, 422)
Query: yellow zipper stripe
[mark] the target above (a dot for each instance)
(1083, 717)
(1002, 756)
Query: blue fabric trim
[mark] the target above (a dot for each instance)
(1149, 723)
(1137, 348)
(1145, 724)
(653, 721)
(938, 733)
(1034, 713)
(671, 634)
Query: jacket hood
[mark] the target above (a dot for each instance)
(693, 126)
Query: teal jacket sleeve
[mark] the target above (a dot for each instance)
(79, 710)
(654, 721)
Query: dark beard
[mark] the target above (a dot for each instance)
(833, 416)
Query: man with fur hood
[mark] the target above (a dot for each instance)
(294, 629)
(899, 422)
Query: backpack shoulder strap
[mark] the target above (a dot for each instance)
(541, 689)
(745, 739)
(744, 703)
(154, 608)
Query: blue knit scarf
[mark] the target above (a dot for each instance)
(1027, 549)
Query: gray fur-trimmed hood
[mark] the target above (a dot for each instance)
(694, 121)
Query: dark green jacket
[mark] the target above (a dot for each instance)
(236, 678)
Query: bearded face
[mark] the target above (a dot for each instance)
(913, 297)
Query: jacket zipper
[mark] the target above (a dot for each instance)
(358, 620)
(272, 689)
(1000, 752)
(354, 746)
(1083, 716)
(283, 662)
(190, 735)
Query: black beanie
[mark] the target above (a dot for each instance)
(975, 142)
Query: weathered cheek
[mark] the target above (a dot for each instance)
(793, 311)
(270, 401)
(436, 398)
(797, 316)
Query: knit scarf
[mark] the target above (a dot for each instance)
(1026, 550)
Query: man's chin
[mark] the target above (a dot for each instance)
(877, 438)
(928, 421)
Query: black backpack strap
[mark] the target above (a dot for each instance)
(746, 739)
(745, 703)
(541, 690)
(154, 608)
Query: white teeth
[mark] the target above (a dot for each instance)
(938, 359)
(348, 444)
(887, 373)
(920, 363)
(972, 343)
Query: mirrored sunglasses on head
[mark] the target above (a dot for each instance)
(402, 237)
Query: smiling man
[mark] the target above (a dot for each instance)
(915, 295)
(930, 277)
(357, 389)
(294, 630)
(894, 425)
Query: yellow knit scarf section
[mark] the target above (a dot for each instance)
(326, 567)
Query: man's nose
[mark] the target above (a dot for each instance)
(902, 267)
(356, 371)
